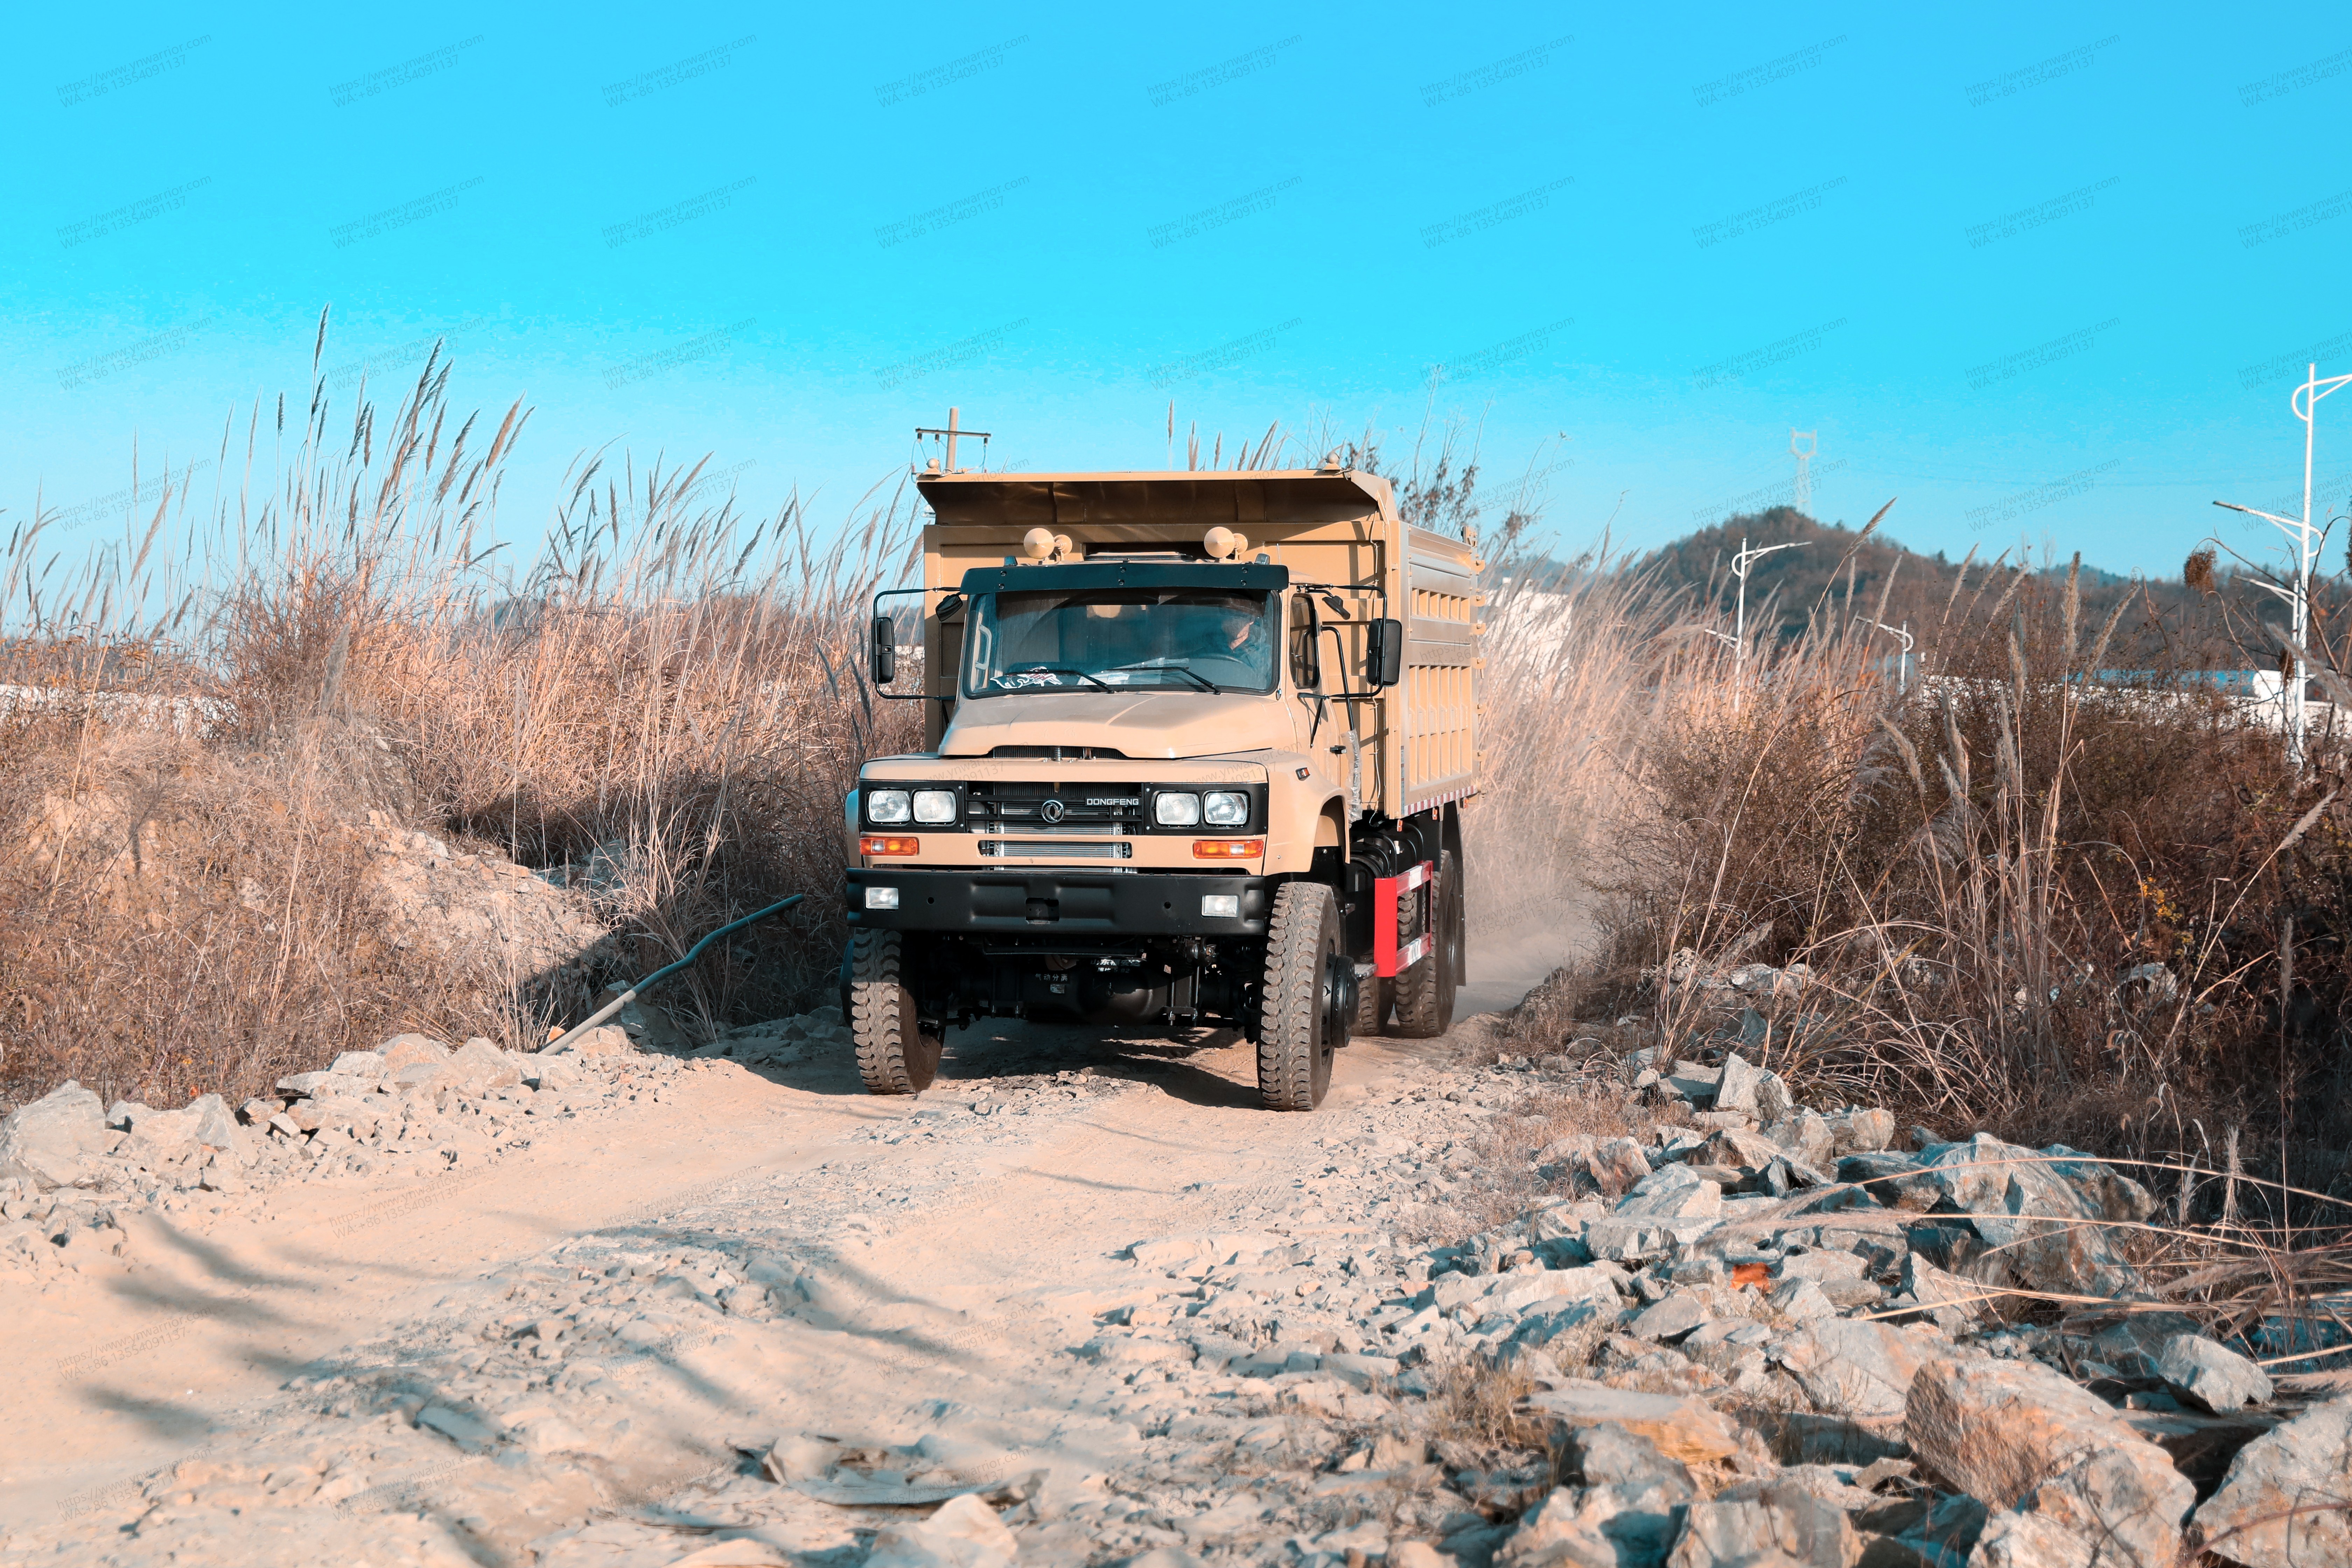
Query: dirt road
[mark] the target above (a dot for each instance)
(514, 1363)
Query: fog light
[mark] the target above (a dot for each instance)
(1227, 905)
(881, 898)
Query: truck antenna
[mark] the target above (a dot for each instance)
(950, 431)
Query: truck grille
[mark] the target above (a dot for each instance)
(1100, 809)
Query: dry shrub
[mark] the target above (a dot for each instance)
(669, 701)
(1971, 868)
(181, 917)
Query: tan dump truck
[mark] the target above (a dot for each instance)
(1197, 748)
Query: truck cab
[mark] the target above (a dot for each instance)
(1197, 748)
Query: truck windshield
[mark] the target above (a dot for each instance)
(1200, 639)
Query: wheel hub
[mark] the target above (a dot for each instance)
(1338, 997)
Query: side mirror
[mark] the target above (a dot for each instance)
(884, 652)
(1384, 652)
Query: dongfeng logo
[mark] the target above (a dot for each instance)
(1053, 811)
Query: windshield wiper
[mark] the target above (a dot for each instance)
(1048, 669)
(1203, 682)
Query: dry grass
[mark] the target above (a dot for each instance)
(668, 687)
(1969, 869)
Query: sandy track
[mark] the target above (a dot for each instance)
(946, 1257)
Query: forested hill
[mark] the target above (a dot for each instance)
(1786, 586)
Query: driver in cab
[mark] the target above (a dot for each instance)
(1236, 633)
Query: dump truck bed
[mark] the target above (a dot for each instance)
(1418, 739)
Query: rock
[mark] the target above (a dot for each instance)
(1773, 1100)
(799, 1458)
(1739, 1147)
(604, 1040)
(408, 1050)
(1861, 1132)
(1692, 1083)
(216, 1124)
(2025, 1205)
(1951, 1302)
(1689, 1430)
(1783, 1526)
(2306, 1466)
(2131, 1344)
(1625, 1525)
(1898, 1180)
(1413, 1555)
(124, 1113)
(50, 1142)
(1736, 1089)
(2032, 1540)
(422, 1075)
(2214, 1376)
(1803, 1133)
(1617, 1165)
(1672, 1192)
(1132, 1350)
(553, 1074)
(359, 1064)
(1802, 1300)
(1670, 1320)
(963, 1533)
(468, 1431)
(1362, 1373)
(1854, 1367)
(2202, 1446)
(1817, 1263)
(1609, 1455)
(156, 1134)
(2016, 1434)
(479, 1064)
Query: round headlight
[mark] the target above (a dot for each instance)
(1224, 808)
(1176, 808)
(935, 806)
(887, 805)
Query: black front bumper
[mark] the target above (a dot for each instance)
(1060, 902)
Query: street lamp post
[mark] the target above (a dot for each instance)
(1739, 565)
(1903, 664)
(2305, 539)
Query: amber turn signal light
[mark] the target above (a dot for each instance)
(880, 844)
(1228, 849)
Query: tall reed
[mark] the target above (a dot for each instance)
(666, 694)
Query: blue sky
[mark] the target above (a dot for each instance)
(2039, 271)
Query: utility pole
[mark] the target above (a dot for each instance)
(1739, 565)
(1804, 499)
(950, 431)
(1903, 665)
(2305, 540)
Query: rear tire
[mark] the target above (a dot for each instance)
(1375, 998)
(1426, 991)
(894, 1054)
(1299, 1025)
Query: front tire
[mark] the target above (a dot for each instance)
(1426, 991)
(894, 1054)
(1303, 1004)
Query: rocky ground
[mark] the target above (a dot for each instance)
(1084, 1305)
